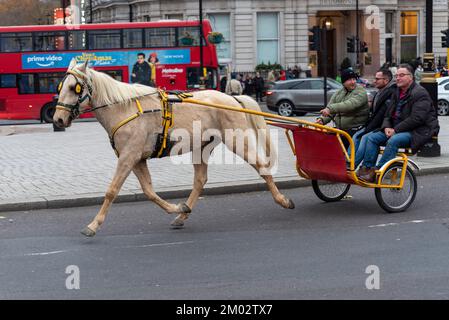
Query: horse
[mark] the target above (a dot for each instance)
(138, 129)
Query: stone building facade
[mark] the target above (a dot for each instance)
(259, 31)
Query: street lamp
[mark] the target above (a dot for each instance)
(202, 75)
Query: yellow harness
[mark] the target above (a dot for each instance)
(162, 144)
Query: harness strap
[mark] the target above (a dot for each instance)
(122, 123)
(167, 123)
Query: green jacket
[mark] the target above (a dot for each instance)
(348, 109)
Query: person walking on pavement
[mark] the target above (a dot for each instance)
(141, 72)
(259, 86)
(410, 121)
(234, 87)
(348, 107)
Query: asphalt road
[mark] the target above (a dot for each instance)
(234, 247)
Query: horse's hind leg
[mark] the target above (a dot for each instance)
(143, 174)
(199, 180)
(124, 167)
(260, 165)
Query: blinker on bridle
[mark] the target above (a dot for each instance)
(78, 90)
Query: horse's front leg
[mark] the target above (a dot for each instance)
(125, 164)
(143, 174)
(200, 179)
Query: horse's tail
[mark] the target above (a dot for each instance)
(259, 126)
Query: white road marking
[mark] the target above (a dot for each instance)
(45, 253)
(396, 223)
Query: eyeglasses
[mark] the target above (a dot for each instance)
(401, 75)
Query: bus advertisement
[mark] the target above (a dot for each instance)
(33, 59)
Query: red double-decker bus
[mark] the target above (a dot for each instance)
(33, 59)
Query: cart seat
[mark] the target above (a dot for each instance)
(320, 155)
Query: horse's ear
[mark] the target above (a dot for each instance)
(72, 63)
(84, 66)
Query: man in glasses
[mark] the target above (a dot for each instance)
(381, 101)
(410, 121)
(141, 71)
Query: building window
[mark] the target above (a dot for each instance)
(409, 35)
(222, 23)
(267, 38)
(174, 16)
(388, 22)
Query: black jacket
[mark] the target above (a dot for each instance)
(418, 116)
(259, 83)
(142, 72)
(382, 101)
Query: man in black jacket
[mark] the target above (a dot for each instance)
(141, 71)
(382, 99)
(410, 121)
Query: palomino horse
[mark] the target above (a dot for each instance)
(133, 116)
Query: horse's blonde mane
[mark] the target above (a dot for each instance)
(110, 91)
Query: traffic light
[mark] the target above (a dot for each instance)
(363, 46)
(445, 38)
(350, 46)
(315, 39)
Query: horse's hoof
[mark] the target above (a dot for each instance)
(177, 224)
(291, 204)
(88, 232)
(185, 208)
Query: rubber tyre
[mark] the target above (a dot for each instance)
(443, 108)
(319, 187)
(47, 112)
(285, 108)
(381, 193)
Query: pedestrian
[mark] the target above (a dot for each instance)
(223, 82)
(234, 87)
(418, 73)
(248, 85)
(141, 72)
(259, 86)
(410, 121)
(348, 107)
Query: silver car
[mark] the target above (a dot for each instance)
(300, 96)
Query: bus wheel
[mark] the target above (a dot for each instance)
(47, 113)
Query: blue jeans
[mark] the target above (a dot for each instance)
(359, 146)
(377, 139)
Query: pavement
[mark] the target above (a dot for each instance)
(43, 169)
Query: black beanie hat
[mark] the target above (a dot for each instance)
(348, 74)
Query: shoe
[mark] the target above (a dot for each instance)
(369, 175)
(361, 171)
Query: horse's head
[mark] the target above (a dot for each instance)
(75, 94)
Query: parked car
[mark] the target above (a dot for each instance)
(300, 96)
(443, 96)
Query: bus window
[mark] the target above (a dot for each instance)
(212, 78)
(8, 81)
(160, 37)
(49, 41)
(77, 40)
(104, 39)
(26, 84)
(16, 42)
(116, 74)
(191, 31)
(132, 38)
(193, 80)
(48, 82)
